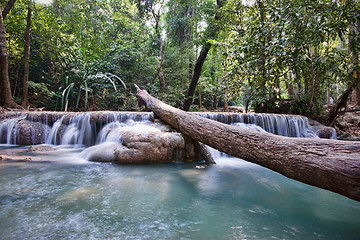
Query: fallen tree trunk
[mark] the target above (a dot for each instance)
(329, 164)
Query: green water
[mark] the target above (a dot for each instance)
(69, 198)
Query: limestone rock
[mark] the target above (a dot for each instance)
(41, 148)
(29, 132)
(104, 152)
(348, 126)
(143, 144)
(326, 132)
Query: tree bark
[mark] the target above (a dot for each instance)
(355, 97)
(162, 47)
(199, 64)
(25, 101)
(195, 77)
(159, 72)
(5, 83)
(340, 103)
(329, 164)
(262, 57)
(9, 5)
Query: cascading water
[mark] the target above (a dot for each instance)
(69, 129)
(283, 125)
(59, 197)
(88, 129)
(51, 138)
(8, 131)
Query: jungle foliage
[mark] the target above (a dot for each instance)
(275, 56)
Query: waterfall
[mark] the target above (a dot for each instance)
(284, 125)
(8, 130)
(51, 138)
(92, 128)
(84, 129)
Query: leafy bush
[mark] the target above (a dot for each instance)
(298, 106)
(40, 95)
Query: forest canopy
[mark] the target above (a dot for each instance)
(86, 55)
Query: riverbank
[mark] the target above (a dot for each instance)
(348, 124)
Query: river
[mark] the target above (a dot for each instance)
(61, 195)
(66, 197)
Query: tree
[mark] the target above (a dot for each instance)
(329, 164)
(353, 46)
(156, 13)
(8, 7)
(25, 101)
(5, 83)
(212, 31)
(276, 45)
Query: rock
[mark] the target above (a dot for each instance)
(15, 158)
(236, 109)
(326, 132)
(348, 125)
(143, 144)
(104, 152)
(348, 137)
(41, 148)
(30, 133)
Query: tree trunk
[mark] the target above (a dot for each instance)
(162, 48)
(25, 101)
(159, 73)
(5, 83)
(355, 97)
(9, 5)
(328, 93)
(226, 105)
(355, 60)
(195, 77)
(200, 104)
(199, 63)
(342, 100)
(262, 57)
(330, 164)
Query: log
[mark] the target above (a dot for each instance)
(205, 154)
(329, 164)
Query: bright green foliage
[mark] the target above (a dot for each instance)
(275, 45)
(86, 55)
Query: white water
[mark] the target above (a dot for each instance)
(284, 125)
(8, 130)
(85, 129)
(63, 196)
(51, 138)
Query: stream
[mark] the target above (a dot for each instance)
(61, 195)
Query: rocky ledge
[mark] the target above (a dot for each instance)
(348, 125)
(144, 144)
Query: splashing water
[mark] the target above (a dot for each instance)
(93, 128)
(62, 196)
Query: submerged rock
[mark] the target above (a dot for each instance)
(41, 148)
(327, 132)
(143, 144)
